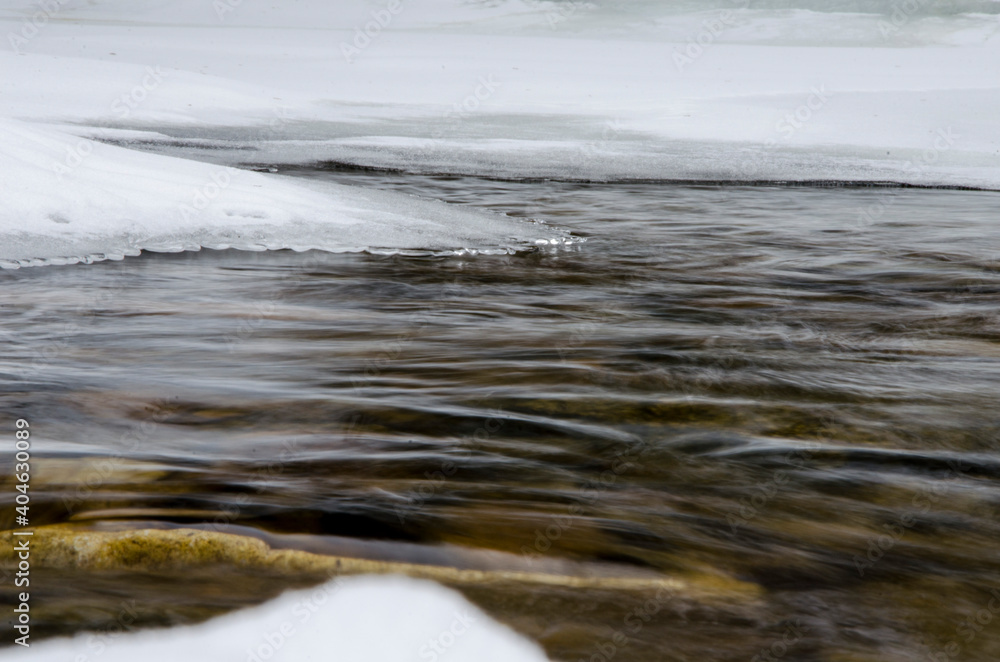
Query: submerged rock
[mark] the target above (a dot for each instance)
(180, 550)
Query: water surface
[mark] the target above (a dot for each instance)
(793, 389)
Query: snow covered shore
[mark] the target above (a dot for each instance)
(712, 91)
(68, 199)
(363, 619)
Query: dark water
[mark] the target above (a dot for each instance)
(791, 389)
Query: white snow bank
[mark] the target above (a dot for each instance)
(67, 199)
(724, 89)
(364, 619)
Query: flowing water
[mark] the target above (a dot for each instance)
(787, 396)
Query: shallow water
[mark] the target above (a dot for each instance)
(794, 388)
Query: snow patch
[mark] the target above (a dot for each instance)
(71, 199)
(362, 619)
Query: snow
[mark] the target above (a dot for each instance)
(365, 619)
(72, 199)
(716, 90)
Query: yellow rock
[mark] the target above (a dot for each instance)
(64, 546)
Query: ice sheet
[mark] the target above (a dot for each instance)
(778, 90)
(70, 199)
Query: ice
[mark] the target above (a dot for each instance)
(720, 91)
(69, 199)
(717, 90)
(365, 619)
